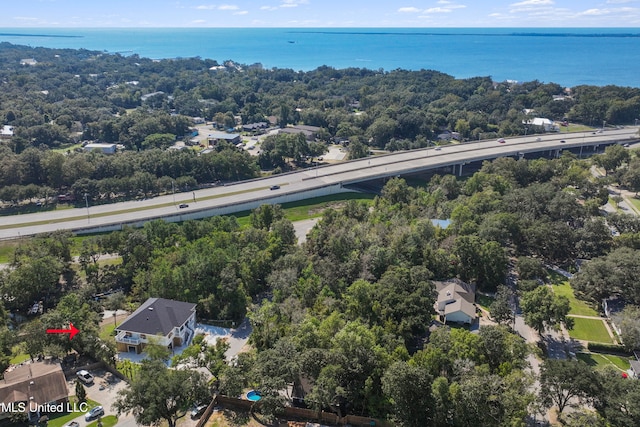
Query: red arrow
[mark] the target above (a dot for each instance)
(72, 331)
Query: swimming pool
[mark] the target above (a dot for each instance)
(253, 396)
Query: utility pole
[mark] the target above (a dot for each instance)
(86, 203)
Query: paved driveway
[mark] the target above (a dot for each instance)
(104, 390)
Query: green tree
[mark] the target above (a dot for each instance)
(566, 382)
(159, 393)
(408, 389)
(500, 308)
(542, 309)
(630, 327)
(81, 392)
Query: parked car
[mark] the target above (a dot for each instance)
(94, 413)
(275, 187)
(183, 205)
(85, 377)
(72, 424)
(197, 411)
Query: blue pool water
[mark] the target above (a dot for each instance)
(253, 396)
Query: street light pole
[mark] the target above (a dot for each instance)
(86, 203)
(173, 190)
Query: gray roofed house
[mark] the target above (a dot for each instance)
(456, 301)
(171, 322)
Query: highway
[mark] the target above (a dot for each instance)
(401, 163)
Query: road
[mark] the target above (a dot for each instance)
(297, 184)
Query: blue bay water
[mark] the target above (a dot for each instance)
(568, 56)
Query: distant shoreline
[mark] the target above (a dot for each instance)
(38, 35)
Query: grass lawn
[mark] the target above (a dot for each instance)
(602, 360)
(310, 208)
(634, 201)
(20, 356)
(577, 306)
(106, 332)
(575, 128)
(484, 301)
(108, 421)
(62, 419)
(590, 330)
(561, 287)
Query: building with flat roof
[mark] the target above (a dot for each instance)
(215, 137)
(103, 148)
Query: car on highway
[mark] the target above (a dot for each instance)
(275, 187)
(538, 139)
(562, 141)
(85, 376)
(626, 145)
(183, 205)
(502, 141)
(94, 413)
(438, 148)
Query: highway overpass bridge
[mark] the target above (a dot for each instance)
(305, 184)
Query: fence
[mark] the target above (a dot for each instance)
(295, 413)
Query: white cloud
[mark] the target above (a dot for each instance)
(242, 12)
(268, 8)
(445, 9)
(618, 1)
(228, 7)
(408, 10)
(206, 7)
(199, 21)
(595, 12)
(437, 10)
(293, 3)
(533, 3)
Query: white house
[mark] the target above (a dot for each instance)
(548, 125)
(165, 322)
(103, 148)
(456, 302)
(6, 132)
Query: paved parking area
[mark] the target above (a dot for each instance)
(104, 390)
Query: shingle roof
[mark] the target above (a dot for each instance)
(158, 316)
(42, 381)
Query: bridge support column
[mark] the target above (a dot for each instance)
(460, 173)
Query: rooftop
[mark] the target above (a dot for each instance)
(158, 316)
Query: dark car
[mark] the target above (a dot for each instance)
(502, 141)
(183, 205)
(562, 141)
(275, 187)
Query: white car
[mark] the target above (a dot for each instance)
(85, 377)
(93, 413)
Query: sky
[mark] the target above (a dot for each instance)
(320, 13)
